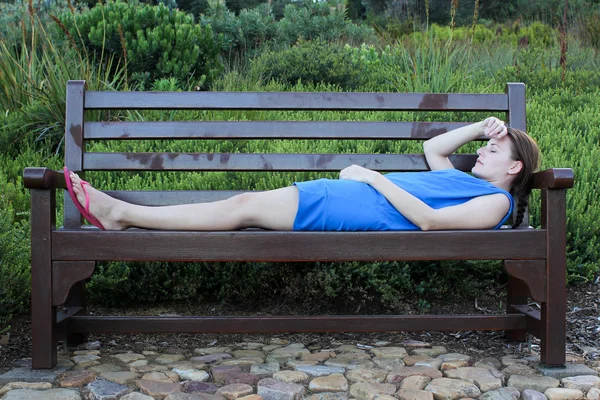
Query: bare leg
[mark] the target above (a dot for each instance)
(274, 209)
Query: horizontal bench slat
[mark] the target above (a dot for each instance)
(296, 101)
(267, 130)
(256, 245)
(262, 162)
(171, 197)
(325, 323)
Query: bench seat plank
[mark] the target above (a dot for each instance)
(88, 244)
(325, 323)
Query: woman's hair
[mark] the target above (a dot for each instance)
(526, 150)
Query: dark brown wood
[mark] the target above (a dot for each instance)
(532, 273)
(263, 162)
(350, 323)
(296, 101)
(555, 178)
(516, 117)
(76, 305)
(65, 274)
(321, 130)
(43, 315)
(516, 294)
(74, 144)
(146, 245)
(536, 260)
(554, 310)
(43, 178)
(67, 312)
(533, 317)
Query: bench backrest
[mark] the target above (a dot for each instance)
(78, 131)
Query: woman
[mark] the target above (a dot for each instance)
(441, 199)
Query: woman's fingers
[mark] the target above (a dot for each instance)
(495, 128)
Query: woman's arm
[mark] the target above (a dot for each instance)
(438, 149)
(483, 212)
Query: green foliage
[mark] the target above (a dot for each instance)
(15, 227)
(536, 34)
(304, 20)
(590, 24)
(17, 19)
(311, 62)
(429, 67)
(562, 116)
(34, 73)
(14, 262)
(151, 39)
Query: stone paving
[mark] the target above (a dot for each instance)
(279, 370)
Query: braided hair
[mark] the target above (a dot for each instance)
(524, 149)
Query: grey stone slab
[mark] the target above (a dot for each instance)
(530, 394)
(50, 394)
(25, 374)
(319, 370)
(106, 390)
(567, 371)
(271, 389)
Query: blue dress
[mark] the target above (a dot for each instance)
(346, 205)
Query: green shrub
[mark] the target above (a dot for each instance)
(255, 28)
(311, 62)
(33, 76)
(14, 263)
(17, 18)
(154, 39)
(14, 229)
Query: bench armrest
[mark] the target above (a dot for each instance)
(554, 178)
(43, 178)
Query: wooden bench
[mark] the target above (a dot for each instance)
(62, 258)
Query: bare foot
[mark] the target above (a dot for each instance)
(102, 207)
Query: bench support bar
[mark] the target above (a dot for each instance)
(360, 323)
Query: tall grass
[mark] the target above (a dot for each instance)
(427, 66)
(34, 70)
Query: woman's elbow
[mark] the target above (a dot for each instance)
(426, 146)
(426, 224)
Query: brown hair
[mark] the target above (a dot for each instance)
(526, 150)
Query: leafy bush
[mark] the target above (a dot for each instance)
(16, 18)
(33, 76)
(311, 62)
(14, 263)
(304, 20)
(153, 39)
(14, 229)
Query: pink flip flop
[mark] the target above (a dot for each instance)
(85, 212)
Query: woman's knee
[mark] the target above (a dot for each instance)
(242, 207)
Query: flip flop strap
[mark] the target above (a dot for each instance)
(87, 198)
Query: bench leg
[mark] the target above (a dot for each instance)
(43, 313)
(553, 323)
(77, 299)
(43, 326)
(553, 329)
(516, 294)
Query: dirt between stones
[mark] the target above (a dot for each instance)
(583, 330)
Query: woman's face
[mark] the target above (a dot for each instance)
(495, 160)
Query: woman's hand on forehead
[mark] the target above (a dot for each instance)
(494, 128)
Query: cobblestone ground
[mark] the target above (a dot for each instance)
(280, 370)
